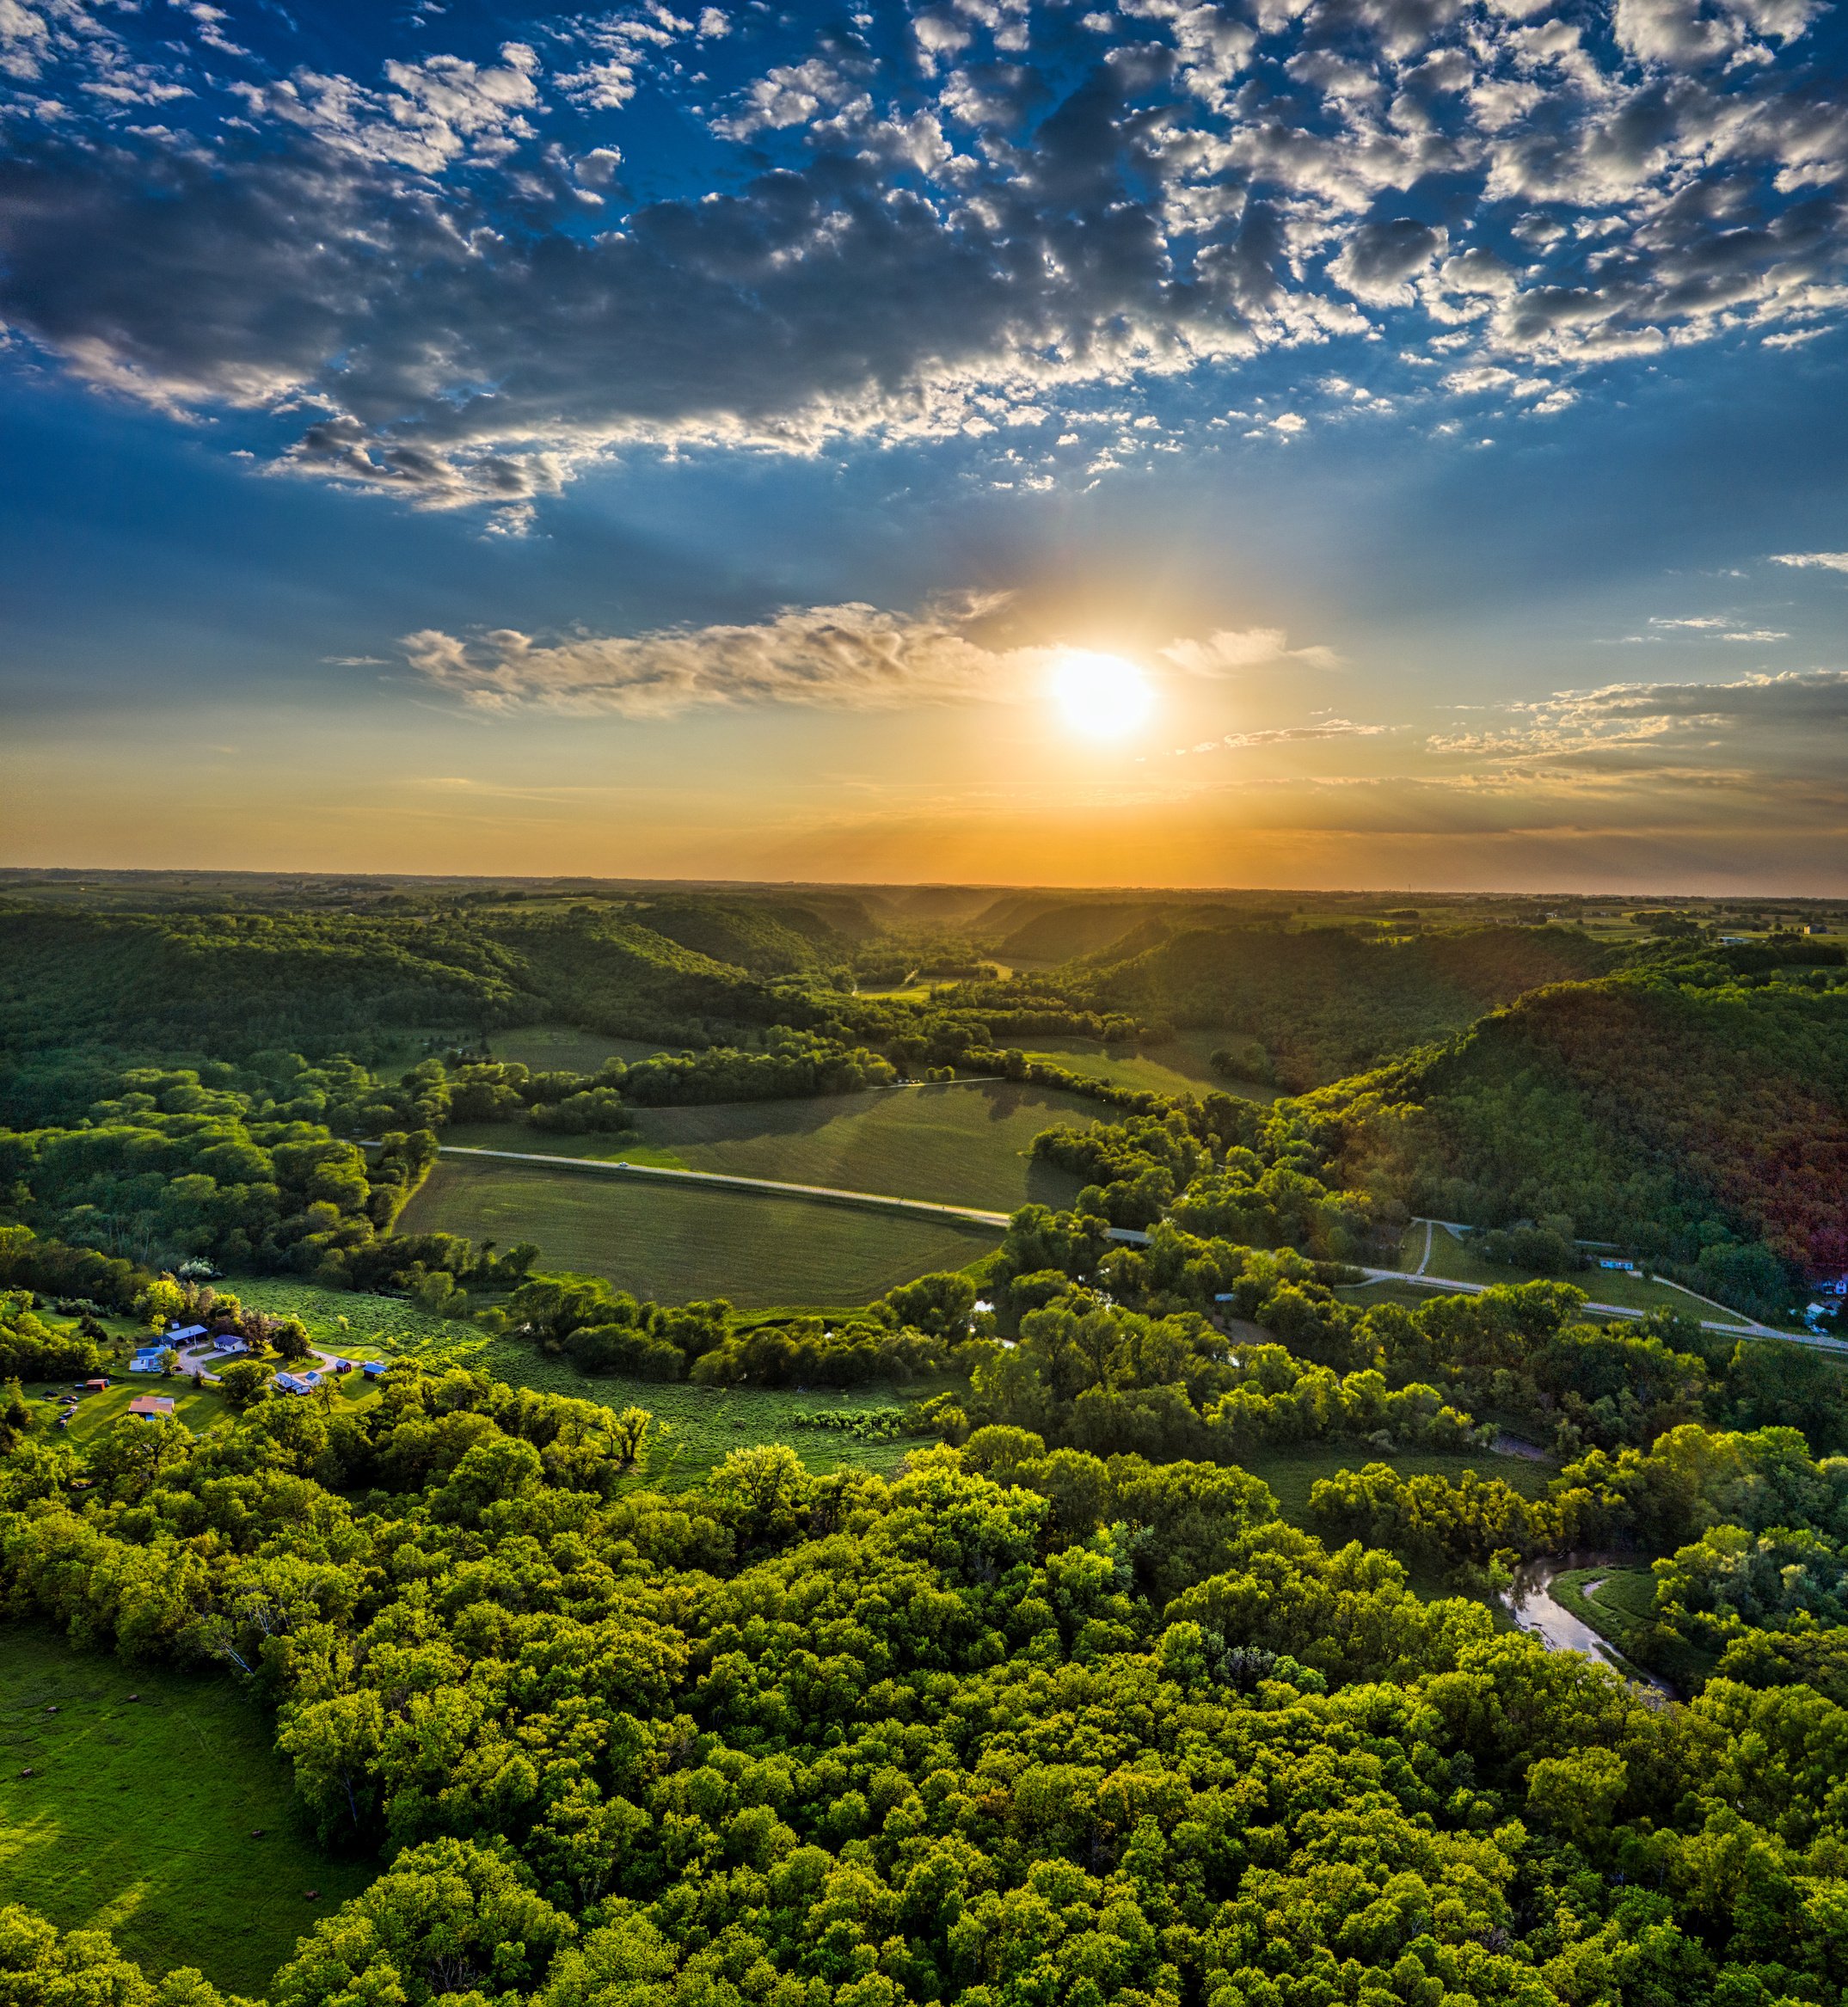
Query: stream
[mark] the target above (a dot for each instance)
(1532, 1604)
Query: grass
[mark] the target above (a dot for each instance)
(676, 1243)
(705, 1425)
(1452, 1258)
(137, 1819)
(358, 1325)
(963, 1143)
(1619, 1603)
(562, 1048)
(1290, 1472)
(1178, 1066)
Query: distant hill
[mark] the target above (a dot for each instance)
(768, 937)
(1645, 1109)
(1326, 1002)
(229, 985)
(1062, 933)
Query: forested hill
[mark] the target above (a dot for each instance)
(232, 983)
(1326, 1002)
(769, 938)
(1671, 1114)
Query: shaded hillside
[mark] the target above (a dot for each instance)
(230, 985)
(1062, 933)
(1668, 1116)
(1328, 1001)
(766, 937)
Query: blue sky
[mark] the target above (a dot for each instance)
(651, 442)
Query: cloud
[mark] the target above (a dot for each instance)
(1829, 560)
(1380, 258)
(1294, 734)
(852, 657)
(1230, 650)
(431, 272)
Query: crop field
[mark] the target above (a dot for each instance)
(966, 1143)
(675, 1243)
(1452, 1258)
(139, 1815)
(562, 1048)
(1178, 1066)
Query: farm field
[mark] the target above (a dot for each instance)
(1452, 1260)
(138, 1816)
(562, 1048)
(1178, 1066)
(965, 1143)
(676, 1243)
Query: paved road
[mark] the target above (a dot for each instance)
(1735, 1325)
(724, 1180)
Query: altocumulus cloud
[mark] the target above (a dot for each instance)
(429, 278)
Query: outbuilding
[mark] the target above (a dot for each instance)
(146, 1407)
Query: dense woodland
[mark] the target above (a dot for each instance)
(1063, 1712)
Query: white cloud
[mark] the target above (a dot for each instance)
(853, 656)
(1829, 560)
(1295, 734)
(1230, 650)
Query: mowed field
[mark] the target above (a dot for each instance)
(964, 1143)
(675, 1243)
(1180, 1065)
(138, 1816)
(562, 1048)
(1458, 1262)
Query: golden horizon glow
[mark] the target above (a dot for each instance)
(1101, 697)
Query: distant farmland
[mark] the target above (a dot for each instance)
(964, 1143)
(676, 1243)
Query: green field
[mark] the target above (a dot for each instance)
(675, 1243)
(562, 1048)
(966, 1143)
(1290, 1472)
(1457, 1262)
(138, 1816)
(1178, 1066)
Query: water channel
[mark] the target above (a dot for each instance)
(1533, 1606)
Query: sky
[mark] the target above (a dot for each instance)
(1301, 443)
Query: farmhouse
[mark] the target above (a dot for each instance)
(296, 1382)
(228, 1344)
(145, 1406)
(147, 1357)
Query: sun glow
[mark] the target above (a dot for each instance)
(1101, 697)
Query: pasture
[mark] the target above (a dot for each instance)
(1178, 1066)
(962, 1143)
(678, 1243)
(138, 1816)
(562, 1048)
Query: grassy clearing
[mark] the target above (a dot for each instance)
(958, 1143)
(139, 1815)
(702, 1426)
(358, 1325)
(1290, 1472)
(1456, 1261)
(1619, 1605)
(675, 1243)
(1178, 1066)
(562, 1048)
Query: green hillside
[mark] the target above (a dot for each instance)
(1328, 1001)
(1673, 1116)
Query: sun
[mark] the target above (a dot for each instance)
(1101, 697)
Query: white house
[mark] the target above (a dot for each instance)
(147, 1359)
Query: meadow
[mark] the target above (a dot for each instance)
(1456, 1261)
(675, 1243)
(140, 1815)
(1180, 1065)
(963, 1143)
(563, 1048)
